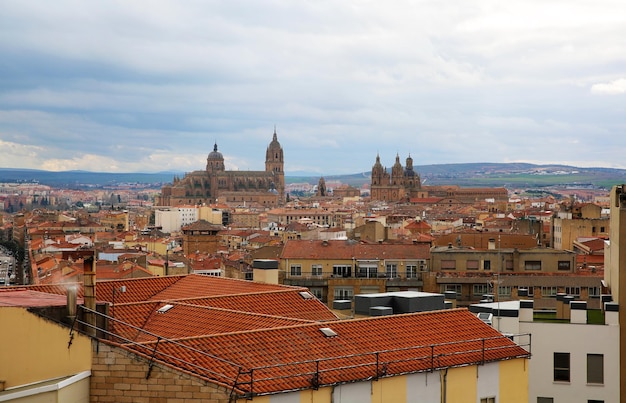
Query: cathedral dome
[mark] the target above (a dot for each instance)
(215, 155)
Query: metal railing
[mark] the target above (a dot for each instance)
(247, 382)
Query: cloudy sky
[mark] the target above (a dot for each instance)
(148, 86)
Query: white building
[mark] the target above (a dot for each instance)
(572, 360)
(172, 219)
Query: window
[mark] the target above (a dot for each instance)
(595, 401)
(317, 291)
(471, 265)
(545, 400)
(504, 291)
(561, 367)
(452, 287)
(508, 264)
(448, 265)
(532, 265)
(342, 270)
(480, 289)
(343, 293)
(594, 291)
(595, 368)
(564, 265)
(316, 270)
(488, 399)
(392, 270)
(573, 291)
(547, 292)
(296, 270)
(602, 229)
(370, 271)
(531, 291)
(487, 265)
(411, 271)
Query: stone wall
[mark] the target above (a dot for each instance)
(118, 375)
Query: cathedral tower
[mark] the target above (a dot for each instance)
(275, 163)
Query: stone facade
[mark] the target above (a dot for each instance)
(215, 183)
(403, 183)
(120, 376)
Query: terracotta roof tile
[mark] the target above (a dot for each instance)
(288, 303)
(287, 358)
(184, 320)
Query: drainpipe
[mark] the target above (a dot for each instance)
(89, 293)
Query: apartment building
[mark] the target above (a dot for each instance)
(340, 269)
(575, 349)
(475, 273)
(585, 222)
(172, 219)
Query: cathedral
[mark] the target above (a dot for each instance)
(402, 185)
(216, 184)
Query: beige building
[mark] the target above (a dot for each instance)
(472, 274)
(338, 270)
(566, 231)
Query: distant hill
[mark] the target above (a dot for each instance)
(510, 175)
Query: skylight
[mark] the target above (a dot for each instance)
(165, 308)
(328, 332)
(306, 295)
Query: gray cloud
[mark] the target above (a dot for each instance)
(149, 86)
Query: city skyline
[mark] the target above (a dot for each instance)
(152, 86)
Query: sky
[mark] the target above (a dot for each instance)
(151, 86)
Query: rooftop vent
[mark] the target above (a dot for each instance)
(165, 308)
(328, 332)
(306, 295)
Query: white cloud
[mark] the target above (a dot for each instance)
(614, 87)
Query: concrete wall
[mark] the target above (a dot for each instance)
(578, 340)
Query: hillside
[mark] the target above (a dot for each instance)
(506, 175)
(510, 175)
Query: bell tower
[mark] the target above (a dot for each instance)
(275, 163)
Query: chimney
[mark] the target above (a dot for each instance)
(578, 312)
(604, 298)
(559, 305)
(566, 306)
(526, 310)
(265, 271)
(71, 302)
(89, 293)
(611, 313)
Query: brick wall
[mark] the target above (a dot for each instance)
(118, 375)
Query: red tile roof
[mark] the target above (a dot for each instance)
(184, 320)
(287, 303)
(302, 357)
(341, 250)
(27, 298)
